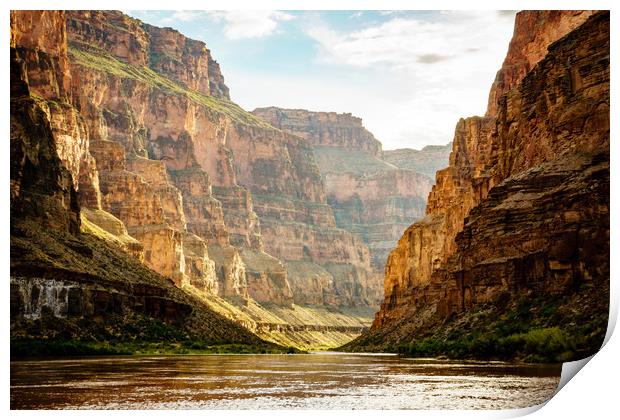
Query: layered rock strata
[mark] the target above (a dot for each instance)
(70, 278)
(426, 161)
(524, 205)
(166, 168)
(370, 197)
(330, 129)
(533, 33)
(243, 183)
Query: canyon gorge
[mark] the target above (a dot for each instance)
(237, 210)
(516, 233)
(147, 205)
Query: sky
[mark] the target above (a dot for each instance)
(410, 75)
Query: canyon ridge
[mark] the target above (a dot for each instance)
(512, 257)
(244, 214)
(150, 212)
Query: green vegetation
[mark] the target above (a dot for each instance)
(37, 252)
(35, 348)
(532, 329)
(96, 58)
(537, 345)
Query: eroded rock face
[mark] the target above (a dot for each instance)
(534, 32)
(504, 217)
(329, 129)
(170, 174)
(426, 161)
(39, 39)
(370, 197)
(41, 187)
(166, 200)
(196, 163)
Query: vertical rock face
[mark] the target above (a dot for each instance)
(41, 187)
(533, 33)
(198, 166)
(524, 202)
(426, 161)
(140, 89)
(64, 278)
(370, 197)
(328, 129)
(40, 42)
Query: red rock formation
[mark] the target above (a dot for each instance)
(243, 184)
(370, 197)
(534, 31)
(323, 128)
(40, 41)
(67, 283)
(503, 216)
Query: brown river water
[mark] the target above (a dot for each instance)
(310, 381)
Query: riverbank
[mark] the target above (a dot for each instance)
(37, 348)
(533, 329)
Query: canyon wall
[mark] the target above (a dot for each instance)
(167, 169)
(524, 204)
(426, 161)
(251, 192)
(78, 276)
(370, 197)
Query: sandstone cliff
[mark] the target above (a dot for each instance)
(533, 33)
(370, 197)
(426, 161)
(328, 129)
(243, 184)
(524, 199)
(73, 276)
(168, 169)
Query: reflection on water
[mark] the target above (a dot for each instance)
(313, 381)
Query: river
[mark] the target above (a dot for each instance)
(302, 381)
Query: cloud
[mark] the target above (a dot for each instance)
(405, 42)
(507, 13)
(431, 58)
(184, 16)
(426, 70)
(240, 24)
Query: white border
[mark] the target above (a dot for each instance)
(592, 395)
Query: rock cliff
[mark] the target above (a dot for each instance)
(523, 208)
(165, 167)
(426, 161)
(533, 33)
(370, 197)
(329, 129)
(243, 184)
(77, 277)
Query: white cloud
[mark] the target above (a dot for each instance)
(249, 23)
(184, 16)
(425, 73)
(401, 41)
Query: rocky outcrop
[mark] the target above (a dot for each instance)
(377, 207)
(41, 48)
(370, 197)
(330, 129)
(523, 206)
(533, 33)
(76, 277)
(167, 169)
(426, 161)
(41, 187)
(244, 186)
